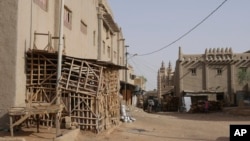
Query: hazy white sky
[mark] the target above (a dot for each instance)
(149, 25)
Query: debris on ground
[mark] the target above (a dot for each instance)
(125, 116)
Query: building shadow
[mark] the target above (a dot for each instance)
(24, 132)
(17, 133)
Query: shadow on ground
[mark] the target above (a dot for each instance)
(45, 133)
(222, 139)
(19, 133)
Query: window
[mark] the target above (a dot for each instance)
(103, 43)
(42, 4)
(115, 55)
(83, 27)
(132, 76)
(193, 71)
(107, 34)
(94, 38)
(107, 31)
(219, 71)
(67, 18)
(109, 52)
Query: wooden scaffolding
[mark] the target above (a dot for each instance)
(88, 89)
(91, 91)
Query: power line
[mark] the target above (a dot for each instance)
(143, 74)
(144, 63)
(185, 34)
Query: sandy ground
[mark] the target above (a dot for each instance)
(30, 134)
(172, 127)
(165, 126)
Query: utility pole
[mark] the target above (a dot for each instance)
(59, 68)
(126, 75)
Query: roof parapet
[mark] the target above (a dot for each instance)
(108, 15)
(219, 51)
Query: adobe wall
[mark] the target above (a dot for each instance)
(8, 42)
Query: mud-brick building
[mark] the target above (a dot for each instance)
(216, 74)
(165, 81)
(91, 36)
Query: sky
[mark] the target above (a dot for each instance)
(149, 25)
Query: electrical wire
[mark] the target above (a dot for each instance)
(185, 34)
(145, 65)
(142, 68)
(143, 74)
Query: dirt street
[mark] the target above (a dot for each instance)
(167, 126)
(171, 127)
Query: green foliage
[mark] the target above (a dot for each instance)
(145, 79)
(243, 77)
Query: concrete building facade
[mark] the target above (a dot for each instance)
(140, 81)
(90, 32)
(214, 72)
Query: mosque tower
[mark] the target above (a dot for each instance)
(164, 80)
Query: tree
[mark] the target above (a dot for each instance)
(243, 76)
(145, 79)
